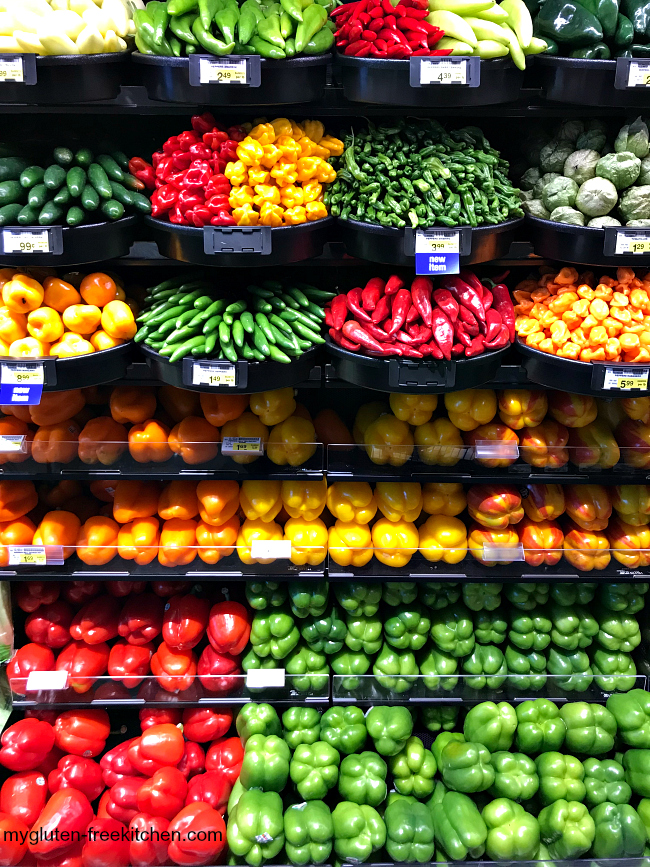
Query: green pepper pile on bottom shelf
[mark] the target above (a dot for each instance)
(271, 29)
(533, 782)
(593, 29)
(182, 317)
(415, 173)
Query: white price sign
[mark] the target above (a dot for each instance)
(31, 241)
(626, 380)
(216, 376)
(27, 555)
(638, 74)
(634, 242)
(12, 444)
(267, 549)
(490, 450)
(258, 678)
(429, 241)
(12, 69)
(499, 554)
(443, 72)
(40, 681)
(22, 374)
(222, 71)
(242, 445)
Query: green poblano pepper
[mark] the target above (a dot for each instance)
(633, 137)
(546, 178)
(621, 168)
(560, 193)
(601, 222)
(553, 156)
(635, 203)
(581, 165)
(567, 215)
(569, 23)
(596, 197)
(599, 51)
(624, 35)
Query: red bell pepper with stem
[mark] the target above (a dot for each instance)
(122, 801)
(28, 595)
(193, 761)
(219, 673)
(116, 763)
(198, 835)
(174, 669)
(226, 756)
(141, 618)
(147, 846)
(163, 794)
(212, 788)
(202, 724)
(50, 624)
(97, 621)
(130, 664)
(14, 834)
(84, 663)
(82, 732)
(30, 657)
(229, 627)
(65, 818)
(157, 716)
(77, 772)
(23, 796)
(25, 744)
(185, 621)
(99, 851)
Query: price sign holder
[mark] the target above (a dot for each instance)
(237, 239)
(21, 383)
(626, 242)
(240, 445)
(259, 678)
(215, 374)
(441, 71)
(31, 241)
(437, 250)
(491, 450)
(45, 681)
(12, 444)
(244, 70)
(265, 549)
(18, 69)
(497, 554)
(35, 555)
(622, 379)
(425, 374)
(631, 73)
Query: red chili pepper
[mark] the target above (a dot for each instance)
(461, 335)
(500, 340)
(443, 332)
(389, 36)
(376, 25)
(476, 347)
(399, 51)
(342, 12)
(412, 315)
(381, 311)
(388, 7)
(503, 305)
(364, 18)
(421, 289)
(329, 320)
(423, 337)
(203, 122)
(434, 350)
(342, 341)
(434, 38)
(447, 303)
(469, 321)
(487, 299)
(356, 333)
(378, 333)
(372, 292)
(378, 52)
(401, 304)
(353, 300)
(494, 324)
(339, 308)
(386, 351)
(411, 352)
(401, 37)
(457, 350)
(465, 295)
(410, 24)
(369, 35)
(393, 285)
(359, 7)
(422, 52)
(472, 280)
(441, 52)
(413, 329)
(360, 48)
(390, 21)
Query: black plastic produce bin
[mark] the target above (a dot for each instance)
(68, 79)
(94, 242)
(583, 245)
(81, 371)
(586, 82)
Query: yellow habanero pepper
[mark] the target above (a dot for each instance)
(240, 196)
(292, 442)
(289, 147)
(257, 175)
(308, 167)
(251, 530)
(236, 173)
(263, 133)
(439, 443)
(325, 173)
(281, 126)
(311, 191)
(315, 211)
(45, 324)
(443, 498)
(266, 193)
(394, 542)
(291, 196)
(471, 408)
(284, 173)
(246, 425)
(304, 499)
(366, 414)
(443, 538)
(308, 541)
(250, 152)
(316, 150)
(271, 215)
(388, 441)
(260, 499)
(22, 294)
(246, 216)
(314, 129)
(271, 155)
(272, 407)
(413, 408)
(296, 129)
(295, 216)
(399, 501)
(350, 544)
(13, 326)
(29, 347)
(352, 502)
(334, 145)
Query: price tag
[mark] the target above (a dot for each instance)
(27, 555)
(443, 71)
(29, 241)
(257, 678)
(40, 681)
(271, 549)
(223, 71)
(638, 74)
(21, 383)
(12, 69)
(237, 445)
(437, 251)
(12, 444)
(215, 374)
(491, 450)
(626, 380)
(499, 554)
(632, 241)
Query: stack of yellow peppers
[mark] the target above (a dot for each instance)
(280, 171)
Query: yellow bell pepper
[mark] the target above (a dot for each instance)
(334, 145)
(443, 498)
(388, 441)
(281, 126)
(250, 152)
(394, 542)
(260, 499)
(308, 541)
(266, 193)
(308, 167)
(271, 215)
(291, 196)
(289, 147)
(443, 538)
(271, 155)
(117, 320)
(70, 345)
(4, 348)
(350, 544)
(471, 408)
(29, 347)
(366, 414)
(413, 408)
(240, 196)
(439, 443)
(272, 407)
(22, 294)
(632, 503)
(352, 502)
(45, 324)
(399, 501)
(295, 216)
(246, 216)
(101, 340)
(82, 318)
(246, 425)
(315, 211)
(311, 191)
(257, 175)
(314, 130)
(251, 530)
(284, 173)
(237, 173)
(13, 326)
(264, 133)
(292, 442)
(304, 499)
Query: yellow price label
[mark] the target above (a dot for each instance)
(626, 380)
(28, 555)
(236, 445)
(628, 383)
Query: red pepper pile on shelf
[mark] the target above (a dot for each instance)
(379, 28)
(460, 318)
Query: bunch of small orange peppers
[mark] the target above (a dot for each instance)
(278, 177)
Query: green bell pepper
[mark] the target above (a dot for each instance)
(359, 831)
(413, 769)
(573, 627)
(605, 781)
(347, 664)
(568, 23)
(490, 627)
(324, 633)
(363, 633)
(567, 829)
(540, 728)
(315, 770)
(560, 778)
(526, 597)
(362, 779)
(482, 597)
(256, 827)
(613, 671)
(452, 630)
(265, 594)
(571, 669)
(252, 660)
(236, 793)
(466, 767)
(632, 715)
(623, 597)
(439, 717)
(526, 668)
(390, 728)
(512, 833)
(530, 630)
(643, 809)
(515, 776)
(590, 728)
(439, 669)
(309, 833)
(344, 728)
(307, 598)
(257, 719)
(274, 633)
(409, 832)
(637, 771)
(359, 598)
(438, 595)
(441, 742)
(620, 832)
(396, 593)
(572, 594)
(407, 628)
(308, 669)
(492, 725)
(618, 631)
(458, 826)
(396, 670)
(487, 667)
(301, 725)
(266, 763)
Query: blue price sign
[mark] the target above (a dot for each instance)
(21, 384)
(437, 251)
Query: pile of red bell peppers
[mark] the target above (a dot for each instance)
(460, 319)
(379, 28)
(61, 797)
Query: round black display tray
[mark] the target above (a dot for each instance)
(80, 371)
(95, 242)
(584, 82)
(387, 82)
(583, 245)
(396, 374)
(70, 79)
(295, 80)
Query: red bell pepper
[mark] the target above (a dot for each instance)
(165, 589)
(28, 595)
(82, 732)
(125, 588)
(80, 592)
(50, 624)
(185, 621)
(174, 669)
(14, 833)
(147, 847)
(164, 794)
(84, 663)
(202, 724)
(143, 171)
(65, 818)
(218, 672)
(126, 660)
(202, 835)
(116, 763)
(30, 657)
(225, 756)
(212, 788)
(23, 796)
(157, 716)
(77, 772)
(193, 761)
(102, 851)
(141, 618)
(97, 621)
(162, 744)
(122, 801)
(50, 762)
(25, 744)
(229, 627)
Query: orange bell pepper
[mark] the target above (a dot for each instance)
(544, 502)
(45, 325)
(495, 506)
(443, 498)
(56, 443)
(131, 404)
(148, 442)
(572, 410)
(178, 500)
(544, 444)
(632, 503)
(542, 542)
(56, 406)
(588, 505)
(97, 541)
(98, 289)
(492, 433)
(585, 549)
(59, 295)
(217, 542)
(519, 407)
(195, 440)
(58, 528)
(246, 425)
(220, 408)
(138, 540)
(633, 437)
(16, 499)
(22, 294)
(174, 669)
(18, 532)
(491, 547)
(20, 412)
(177, 542)
(58, 496)
(218, 501)
(102, 441)
(630, 544)
(135, 499)
(179, 402)
(11, 426)
(103, 490)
